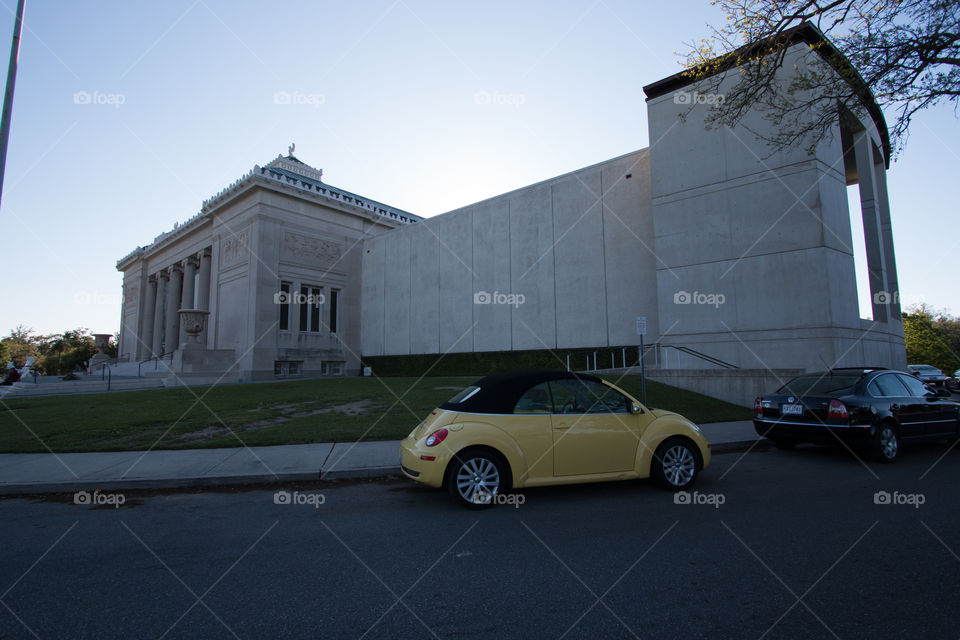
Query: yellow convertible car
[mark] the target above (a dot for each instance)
(536, 428)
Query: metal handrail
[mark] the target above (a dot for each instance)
(699, 354)
(106, 363)
(155, 360)
(621, 354)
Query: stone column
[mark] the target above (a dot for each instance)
(145, 339)
(203, 287)
(863, 150)
(173, 310)
(189, 273)
(161, 278)
(886, 232)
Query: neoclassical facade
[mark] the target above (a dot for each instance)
(264, 281)
(721, 248)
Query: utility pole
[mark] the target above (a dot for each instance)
(8, 94)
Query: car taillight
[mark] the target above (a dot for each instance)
(436, 437)
(758, 407)
(837, 410)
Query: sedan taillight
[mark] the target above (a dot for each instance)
(758, 408)
(436, 437)
(837, 411)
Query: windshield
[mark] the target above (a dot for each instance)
(819, 385)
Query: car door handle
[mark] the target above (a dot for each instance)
(562, 427)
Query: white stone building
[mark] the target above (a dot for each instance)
(727, 251)
(275, 260)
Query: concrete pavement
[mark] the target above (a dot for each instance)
(22, 473)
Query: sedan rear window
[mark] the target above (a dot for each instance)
(819, 385)
(887, 385)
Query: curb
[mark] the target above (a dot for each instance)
(36, 488)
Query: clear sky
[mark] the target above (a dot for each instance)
(129, 114)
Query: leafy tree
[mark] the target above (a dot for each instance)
(907, 53)
(4, 355)
(22, 344)
(113, 347)
(926, 341)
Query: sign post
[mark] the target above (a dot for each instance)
(642, 331)
(8, 94)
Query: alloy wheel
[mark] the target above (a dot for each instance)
(679, 465)
(478, 480)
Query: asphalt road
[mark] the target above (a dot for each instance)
(781, 545)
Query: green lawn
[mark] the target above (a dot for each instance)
(330, 410)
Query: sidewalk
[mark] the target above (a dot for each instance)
(22, 473)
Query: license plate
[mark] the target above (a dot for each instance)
(791, 409)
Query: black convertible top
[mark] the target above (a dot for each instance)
(499, 392)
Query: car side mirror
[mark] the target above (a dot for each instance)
(635, 408)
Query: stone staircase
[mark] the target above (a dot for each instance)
(89, 384)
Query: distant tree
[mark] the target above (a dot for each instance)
(4, 355)
(62, 352)
(949, 328)
(113, 348)
(906, 51)
(22, 344)
(926, 342)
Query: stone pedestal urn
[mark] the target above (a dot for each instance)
(193, 323)
(101, 341)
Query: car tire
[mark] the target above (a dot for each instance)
(676, 464)
(475, 477)
(887, 445)
(785, 445)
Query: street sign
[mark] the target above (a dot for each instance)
(641, 325)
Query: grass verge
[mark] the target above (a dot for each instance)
(289, 412)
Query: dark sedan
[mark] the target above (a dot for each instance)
(873, 409)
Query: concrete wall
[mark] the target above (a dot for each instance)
(755, 255)
(575, 252)
(737, 386)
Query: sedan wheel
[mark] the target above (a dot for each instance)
(888, 443)
(475, 479)
(675, 465)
